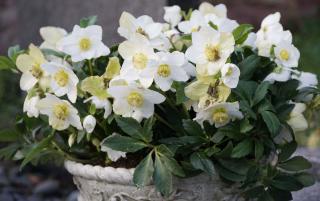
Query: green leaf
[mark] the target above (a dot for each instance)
(245, 107)
(296, 163)
(213, 25)
(13, 52)
(241, 33)
(147, 129)
(227, 151)
(144, 171)
(8, 152)
(192, 127)
(272, 122)
(6, 63)
(162, 178)
(245, 126)
(122, 143)
(201, 162)
(9, 135)
(172, 165)
(238, 166)
(287, 150)
(258, 149)
(36, 150)
(287, 183)
(305, 179)
(248, 66)
(132, 127)
(229, 175)
(261, 92)
(254, 192)
(87, 21)
(242, 149)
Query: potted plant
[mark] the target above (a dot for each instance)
(197, 108)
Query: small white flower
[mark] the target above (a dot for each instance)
(196, 21)
(220, 114)
(113, 155)
(230, 74)
(134, 101)
(101, 104)
(172, 15)
(279, 74)
(297, 121)
(166, 69)
(287, 55)
(84, 43)
(223, 24)
(210, 50)
(63, 80)
(29, 106)
(89, 123)
(60, 112)
(306, 79)
(51, 37)
(219, 10)
(137, 53)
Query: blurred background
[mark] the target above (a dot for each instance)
(20, 21)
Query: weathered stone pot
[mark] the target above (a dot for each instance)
(96, 183)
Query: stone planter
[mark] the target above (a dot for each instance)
(97, 183)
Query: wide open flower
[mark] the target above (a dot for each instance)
(137, 54)
(84, 43)
(220, 114)
(60, 112)
(30, 66)
(230, 74)
(134, 101)
(195, 23)
(63, 80)
(286, 55)
(51, 37)
(210, 50)
(168, 68)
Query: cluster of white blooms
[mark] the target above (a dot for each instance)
(155, 55)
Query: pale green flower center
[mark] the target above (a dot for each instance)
(278, 70)
(36, 71)
(164, 70)
(212, 53)
(85, 44)
(229, 72)
(142, 32)
(135, 99)
(62, 78)
(220, 115)
(140, 61)
(284, 55)
(195, 29)
(61, 111)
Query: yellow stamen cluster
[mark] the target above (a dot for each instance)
(142, 32)
(36, 71)
(135, 99)
(212, 53)
(62, 78)
(284, 55)
(140, 61)
(220, 116)
(164, 70)
(61, 111)
(85, 44)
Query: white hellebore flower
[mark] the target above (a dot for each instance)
(129, 26)
(84, 43)
(51, 37)
(172, 15)
(279, 74)
(101, 104)
(287, 55)
(223, 24)
(63, 80)
(89, 123)
(113, 155)
(210, 50)
(230, 74)
(196, 21)
(306, 79)
(219, 10)
(29, 106)
(134, 101)
(297, 121)
(220, 114)
(60, 112)
(137, 53)
(168, 68)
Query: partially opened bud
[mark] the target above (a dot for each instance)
(89, 123)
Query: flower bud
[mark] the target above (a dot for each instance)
(89, 123)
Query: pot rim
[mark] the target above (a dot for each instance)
(107, 174)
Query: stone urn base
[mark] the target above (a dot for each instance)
(96, 183)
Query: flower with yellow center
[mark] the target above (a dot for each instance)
(219, 114)
(63, 80)
(210, 50)
(137, 53)
(169, 67)
(134, 101)
(287, 55)
(84, 43)
(30, 66)
(60, 112)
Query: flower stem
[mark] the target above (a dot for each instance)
(90, 67)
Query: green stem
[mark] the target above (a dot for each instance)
(164, 121)
(90, 67)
